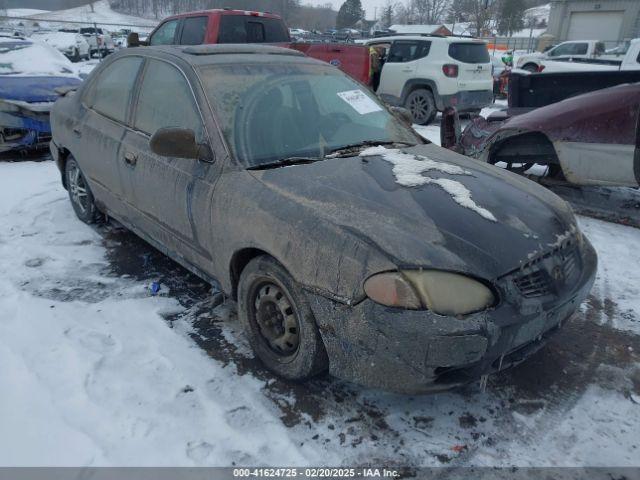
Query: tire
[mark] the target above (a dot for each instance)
(76, 56)
(530, 67)
(422, 106)
(279, 322)
(80, 194)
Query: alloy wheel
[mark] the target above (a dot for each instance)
(78, 188)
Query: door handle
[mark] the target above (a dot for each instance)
(130, 159)
(77, 132)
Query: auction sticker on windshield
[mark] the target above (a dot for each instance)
(360, 102)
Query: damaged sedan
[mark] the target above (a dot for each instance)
(350, 244)
(32, 77)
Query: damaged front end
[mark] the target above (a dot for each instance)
(25, 104)
(24, 127)
(420, 351)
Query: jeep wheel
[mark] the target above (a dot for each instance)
(79, 193)
(278, 321)
(422, 106)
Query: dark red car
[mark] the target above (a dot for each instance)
(590, 139)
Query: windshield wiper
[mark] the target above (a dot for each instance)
(367, 143)
(284, 162)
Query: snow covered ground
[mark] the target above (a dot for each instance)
(98, 371)
(97, 12)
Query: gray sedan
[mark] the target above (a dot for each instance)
(349, 244)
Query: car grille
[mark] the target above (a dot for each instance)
(549, 272)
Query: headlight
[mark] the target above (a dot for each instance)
(441, 292)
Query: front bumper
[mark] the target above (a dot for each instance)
(23, 128)
(466, 100)
(418, 351)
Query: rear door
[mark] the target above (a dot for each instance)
(103, 126)
(172, 196)
(401, 65)
(474, 65)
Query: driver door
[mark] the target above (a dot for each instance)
(172, 197)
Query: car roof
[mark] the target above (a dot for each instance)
(448, 39)
(198, 55)
(224, 11)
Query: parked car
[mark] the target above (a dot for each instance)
(349, 243)
(574, 49)
(100, 42)
(32, 76)
(426, 74)
(590, 139)
(242, 26)
(629, 61)
(74, 46)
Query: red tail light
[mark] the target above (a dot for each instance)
(450, 70)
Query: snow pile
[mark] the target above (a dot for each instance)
(408, 170)
(25, 58)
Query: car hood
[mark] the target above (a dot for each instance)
(485, 222)
(34, 89)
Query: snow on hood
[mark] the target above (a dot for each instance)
(59, 40)
(20, 57)
(408, 169)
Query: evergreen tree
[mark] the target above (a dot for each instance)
(350, 12)
(510, 16)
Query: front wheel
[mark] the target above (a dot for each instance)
(80, 194)
(422, 106)
(530, 67)
(279, 322)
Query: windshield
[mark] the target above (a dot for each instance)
(270, 112)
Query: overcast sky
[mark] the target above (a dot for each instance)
(368, 5)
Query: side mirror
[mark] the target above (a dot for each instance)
(133, 40)
(180, 143)
(402, 114)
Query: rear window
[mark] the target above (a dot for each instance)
(250, 29)
(469, 52)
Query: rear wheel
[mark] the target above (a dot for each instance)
(422, 106)
(530, 67)
(80, 194)
(76, 56)
(279, 322)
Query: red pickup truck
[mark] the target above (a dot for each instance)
(242, 26)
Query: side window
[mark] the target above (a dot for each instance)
(165, 100)
(408, 50)
(115, 85)
(566, 49)
(165, 34)
(193, 30)
(580, 49)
